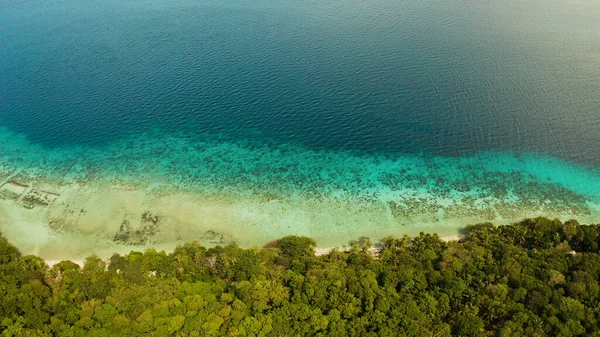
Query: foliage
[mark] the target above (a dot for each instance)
(539, 277)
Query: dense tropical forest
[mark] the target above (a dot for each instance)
(539, 277)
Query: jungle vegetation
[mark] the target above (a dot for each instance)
(539, 277)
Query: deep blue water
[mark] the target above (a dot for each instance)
(391, 77)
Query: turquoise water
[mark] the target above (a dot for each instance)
(424, 113)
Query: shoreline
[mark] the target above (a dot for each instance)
(374, 250)
(319, 251)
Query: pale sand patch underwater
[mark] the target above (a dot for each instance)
(86, 220)
(108, 219)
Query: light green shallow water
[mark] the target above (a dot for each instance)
(220, 191)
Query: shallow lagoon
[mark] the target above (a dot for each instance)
(149, 123)
(154, 190)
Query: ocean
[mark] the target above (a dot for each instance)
(149, 123)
